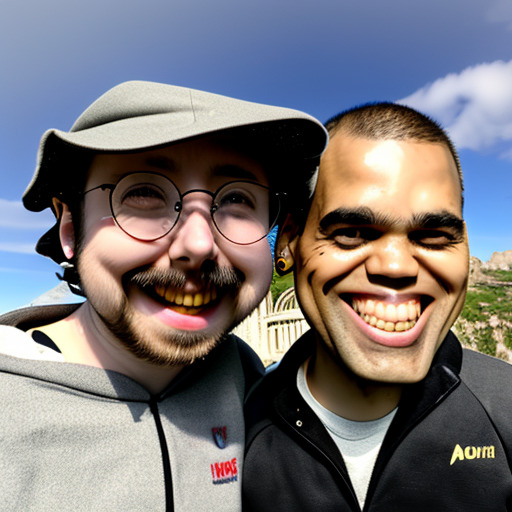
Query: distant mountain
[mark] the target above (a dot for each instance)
(499, 261)
(61, 294)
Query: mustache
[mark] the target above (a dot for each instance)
(220, 277)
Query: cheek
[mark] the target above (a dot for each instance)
(110, 249)
(258, 261)
(450, 270)
(254, 261)
(323, 266)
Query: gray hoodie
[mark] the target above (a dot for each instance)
(75, 437)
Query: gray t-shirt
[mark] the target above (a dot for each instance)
(359, 442)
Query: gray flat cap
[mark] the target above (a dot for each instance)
(137, 115)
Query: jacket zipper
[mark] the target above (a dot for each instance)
(169, 501)
(327, 458)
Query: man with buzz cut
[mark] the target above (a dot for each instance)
(378, 408)
(133, 400)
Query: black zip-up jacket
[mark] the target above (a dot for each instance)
(448, 448)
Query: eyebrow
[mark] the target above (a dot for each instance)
(361, 216)
(233, 171)
(364, 216)
(228, 170)
(442, 219)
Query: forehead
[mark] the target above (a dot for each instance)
(396, 177)
(207, 159)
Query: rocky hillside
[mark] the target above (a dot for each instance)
(485, 323)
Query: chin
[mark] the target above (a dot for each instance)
(398, 377)
(178, 349)
(398, 371)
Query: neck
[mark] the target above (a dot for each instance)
(82, 339)
(344, 393)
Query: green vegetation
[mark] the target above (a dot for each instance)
(485, 341)
(486, 320)
(485, 300)
(280, 284)
(507, 338)
(499, 275)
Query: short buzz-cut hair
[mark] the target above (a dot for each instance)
(386, 120)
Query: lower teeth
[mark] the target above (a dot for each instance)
(186, 310)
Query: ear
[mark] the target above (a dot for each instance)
(286, 246)
(66, 228)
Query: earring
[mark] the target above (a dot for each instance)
(283, 264)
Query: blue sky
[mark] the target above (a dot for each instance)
(449, 58)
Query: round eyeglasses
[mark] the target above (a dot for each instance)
(147, 205)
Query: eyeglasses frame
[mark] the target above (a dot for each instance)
(179, 205)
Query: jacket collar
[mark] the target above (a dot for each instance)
(291, 412)
(416, 402)
(419, 399)
(442, 376)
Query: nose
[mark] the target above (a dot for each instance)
(194, 237)
(392, 257)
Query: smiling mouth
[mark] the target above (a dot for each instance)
(387, 316)
(187, 303)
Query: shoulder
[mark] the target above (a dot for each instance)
(11, 339)
(247, 355)
(252, 366)
(35, 316)
(482, 372)
(258, 402)
(276, 394)
(17, 343)
(490, 380)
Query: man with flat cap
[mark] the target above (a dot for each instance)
(132, 400)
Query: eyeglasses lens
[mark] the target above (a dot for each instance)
(147, 206)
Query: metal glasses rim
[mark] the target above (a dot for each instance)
(111, 187)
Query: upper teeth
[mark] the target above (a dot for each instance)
(181, 298)
(388, 316)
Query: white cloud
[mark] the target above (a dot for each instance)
(475, 105)
(14, 215)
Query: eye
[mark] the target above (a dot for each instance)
(144, 196)
(235, 197)
(353, 237)
(432, 238)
